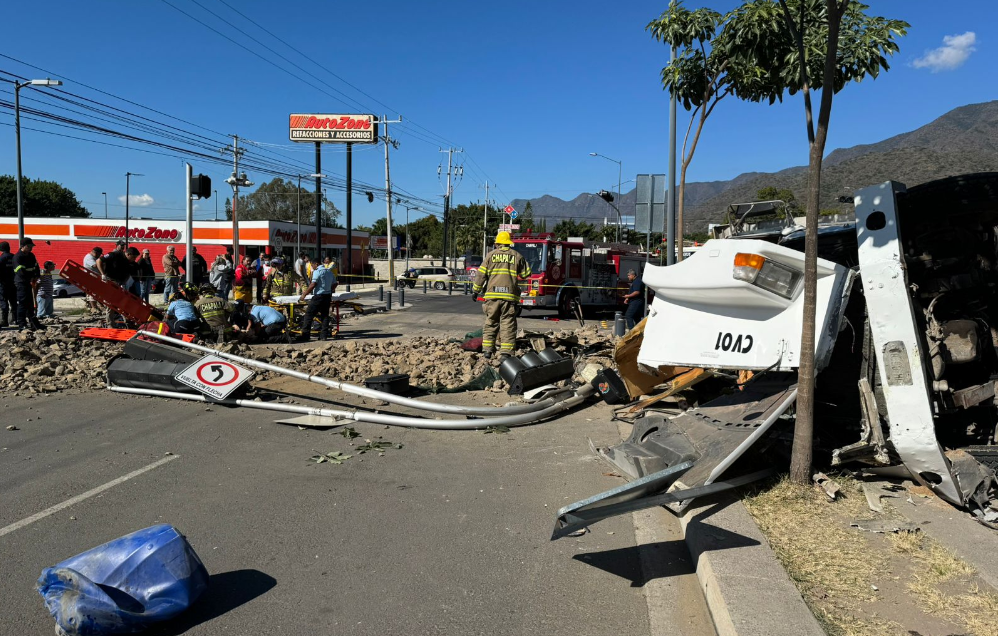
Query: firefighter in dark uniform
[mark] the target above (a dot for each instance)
(8, 291)
(215, 312)
(281, 281)
(26, 275)
(497, 280)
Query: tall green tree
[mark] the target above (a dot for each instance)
(570, 227)
(709, 66)
(39, 198)
(804, 46)
(278, 200)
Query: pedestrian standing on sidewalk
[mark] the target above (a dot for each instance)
(221, 275)
(25, 280)
(46, 288)
(8, 291)
(321, 288)
(90, 263)
(171, 272)
(634, 299)
(147, 274)
(243, 281)
(498, 279)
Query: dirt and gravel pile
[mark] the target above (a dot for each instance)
(53, 359)
(430, 362)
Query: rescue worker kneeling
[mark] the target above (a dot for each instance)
(259, 323)
(181, 316)
(498, 278)
(215, 312)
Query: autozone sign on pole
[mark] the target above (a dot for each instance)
(314, 128)
(148, 233)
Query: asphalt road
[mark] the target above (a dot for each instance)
(447, 535)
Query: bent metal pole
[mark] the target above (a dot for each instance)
(522, 419)
(360, 390)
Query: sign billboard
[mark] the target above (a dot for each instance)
(509, 227)
(358, 129)
(135, 233)
(381, 242)
(649, 208)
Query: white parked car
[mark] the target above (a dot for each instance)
(438, 276)
(62, 288)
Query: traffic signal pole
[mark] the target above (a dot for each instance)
(318, 201)
(349, 262)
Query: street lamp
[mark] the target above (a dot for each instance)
(298, 236)
(619, 173)
(236, 181)
(398, 201)
(105, 204)
(17, 134)
(128, 183)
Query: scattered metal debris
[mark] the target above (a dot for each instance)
(872, 495)
(884, 525)
(827, 484)
(496, 429)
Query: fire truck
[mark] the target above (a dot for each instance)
(564, 272)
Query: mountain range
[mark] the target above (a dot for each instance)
(963, 140)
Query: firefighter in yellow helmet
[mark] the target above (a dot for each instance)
(497, 281)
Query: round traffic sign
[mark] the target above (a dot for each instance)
(217, 373)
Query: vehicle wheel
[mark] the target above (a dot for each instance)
(565, 309)
(439, 284)
(412, 284)
(399, 284)
(62, 293)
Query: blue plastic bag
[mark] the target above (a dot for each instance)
(124, 585)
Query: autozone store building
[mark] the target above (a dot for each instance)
(60, 239)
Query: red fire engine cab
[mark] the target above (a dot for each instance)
(565, 271)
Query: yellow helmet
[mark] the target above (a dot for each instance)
(502, 238)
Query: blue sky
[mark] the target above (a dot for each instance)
(527, 89)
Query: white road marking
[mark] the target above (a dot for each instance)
(17, 525)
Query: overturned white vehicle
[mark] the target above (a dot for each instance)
(906, 351)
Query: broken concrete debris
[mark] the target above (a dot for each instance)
(829, 486)
(54, 359)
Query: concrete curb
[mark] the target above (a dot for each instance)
(747, 590)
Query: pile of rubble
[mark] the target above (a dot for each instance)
(53, 359)
(429, 362)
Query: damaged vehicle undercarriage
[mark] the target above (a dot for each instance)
(906, 353)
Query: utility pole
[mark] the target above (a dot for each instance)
(189, 270)
(485, 221)
(388, 195)
(349, 212)
(216, 205)
(670, 217)
(318, 202)
(105, 204)
(447, 197)
(235, 181)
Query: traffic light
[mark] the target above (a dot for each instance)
(606, 196)
(370, 197)
(201, 186)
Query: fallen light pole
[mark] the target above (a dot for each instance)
(523, 419)
(485, 411)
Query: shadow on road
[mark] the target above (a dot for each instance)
(226, 592)
(671, 559)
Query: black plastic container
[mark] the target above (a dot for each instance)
(394, 383)
(531, 359)
(609, 385)
(509, 369)
(549, 355)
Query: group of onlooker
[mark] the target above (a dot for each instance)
(25, 288)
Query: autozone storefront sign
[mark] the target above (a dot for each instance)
(290, 237)
(140, 233)
(359, 129)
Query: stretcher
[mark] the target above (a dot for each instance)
(111, 295)
(296, 310)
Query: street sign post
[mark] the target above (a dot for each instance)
(215, 377)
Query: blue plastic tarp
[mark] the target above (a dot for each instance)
(124, 585)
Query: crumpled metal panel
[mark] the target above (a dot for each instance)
(894, 329)
(712, 436)
(703, 317)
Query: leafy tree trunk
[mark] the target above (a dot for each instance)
(800, 460)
